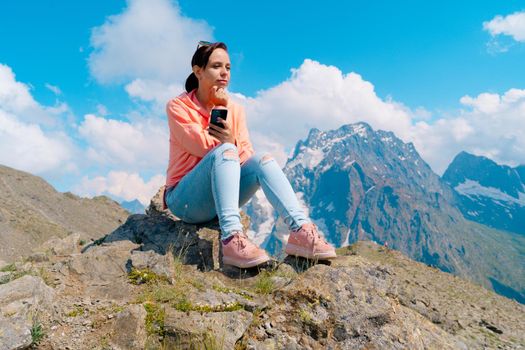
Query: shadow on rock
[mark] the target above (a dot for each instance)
(159, 231)
(300, 264)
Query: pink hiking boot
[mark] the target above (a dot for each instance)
(307, 242)
(241, 252)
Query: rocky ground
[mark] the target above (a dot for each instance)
(156, 283)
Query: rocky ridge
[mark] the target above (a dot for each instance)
(157, 283)
(32, 212)
(487, 192)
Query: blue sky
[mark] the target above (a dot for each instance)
(448, 76)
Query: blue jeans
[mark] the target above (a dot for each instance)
(219, 185)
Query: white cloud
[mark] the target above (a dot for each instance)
(54, 89)
(30, 138)
(512, 25)
(14, 95)
(484, 103)
(318, 96)
(27, 147)
(139, 145)
(322, 96)
(492, 125)
(151, 39)
(124, 185)
(154, 91)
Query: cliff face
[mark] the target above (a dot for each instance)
(31, 212)
(158, 283)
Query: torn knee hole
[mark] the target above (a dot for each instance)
(230, 154)
(265, 159)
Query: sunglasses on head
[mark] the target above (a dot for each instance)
(203, 43)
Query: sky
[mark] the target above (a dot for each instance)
(83, 85)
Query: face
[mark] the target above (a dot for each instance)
(217, 71)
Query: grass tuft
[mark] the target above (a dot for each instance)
(8, 268)
(264, 283)
(155, 316)
(37, 333)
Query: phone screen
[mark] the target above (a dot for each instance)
(218, 113)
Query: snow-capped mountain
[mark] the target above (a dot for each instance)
(358, 184)
(487, 192)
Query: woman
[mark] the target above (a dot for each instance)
(214, 170)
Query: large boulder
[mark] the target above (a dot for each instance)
(24, 302)
(215, 330)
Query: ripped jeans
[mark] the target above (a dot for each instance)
(219, 185)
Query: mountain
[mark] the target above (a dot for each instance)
(32, 211)
(487, 192)
(155, 283)
(134, 206)
(361, 184)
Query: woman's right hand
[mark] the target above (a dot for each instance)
(218, 96)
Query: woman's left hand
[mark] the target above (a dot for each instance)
(222, 134)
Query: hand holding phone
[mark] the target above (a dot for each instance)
(220, 129)
(218, 113)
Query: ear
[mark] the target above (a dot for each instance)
(197, 71)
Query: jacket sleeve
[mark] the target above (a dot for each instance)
(187, 132)
(243, 137)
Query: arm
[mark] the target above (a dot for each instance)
(242, 139)
(188, 133)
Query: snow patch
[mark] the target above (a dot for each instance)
(265, 211)
(360, 130)
(472, 188)
(309, 159)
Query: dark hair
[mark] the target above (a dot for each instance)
(200, 58)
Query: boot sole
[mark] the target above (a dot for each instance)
(295, 250)
(245, 264)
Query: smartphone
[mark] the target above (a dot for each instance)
(218, 113)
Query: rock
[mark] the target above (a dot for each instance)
(129, 330)
(65, 246)
(22, 302)
(38, 257)
(215, 329)
(191, 244)
(156, 206)
(161, 265)
(14, 334)
(346, 303)
(3, 264)
(102, 271)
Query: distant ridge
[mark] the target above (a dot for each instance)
(32, 211)
(487, 192)
(134, 206)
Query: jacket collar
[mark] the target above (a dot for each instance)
(190, 100)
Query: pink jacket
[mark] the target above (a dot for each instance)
(189, 140)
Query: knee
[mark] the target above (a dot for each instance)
(263, 158)
(226, 151)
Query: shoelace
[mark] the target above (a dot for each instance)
(312, 231)
(241, 240)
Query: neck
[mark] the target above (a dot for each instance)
(204, 99)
